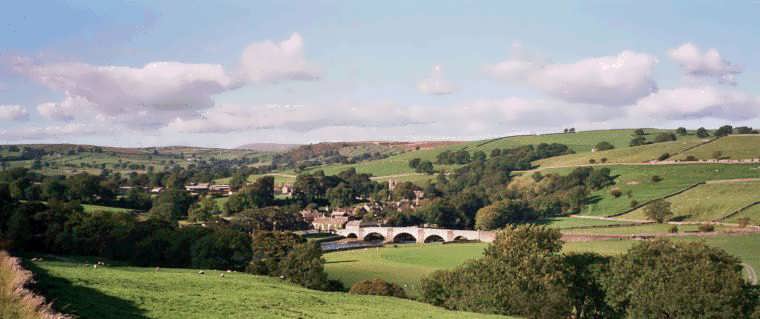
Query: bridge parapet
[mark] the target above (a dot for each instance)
(420, 234)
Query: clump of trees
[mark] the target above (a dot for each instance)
(658, 210)
(377, 287)
(524, 273)
(603, 146)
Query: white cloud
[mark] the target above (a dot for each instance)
(47, 133)
(708, 64)
(159, 92)
(274, 62)
(608, 80)
(13, 113)
(436, 83)
(698, 102)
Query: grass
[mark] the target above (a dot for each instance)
(89, 208)
(753, 213)
(573, 222)
(638, 154)
(131, 292)
(16, 300)
(637, 229)
(638, 180)
(407, 264)
(731, 147)
(709, 202)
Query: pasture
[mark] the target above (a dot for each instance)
(638, 180)
(637, 154)
(753, 213)
(730, 147)
(709, 202)
(132, 292)
(407, 264)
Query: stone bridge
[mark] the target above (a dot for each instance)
(416, 234)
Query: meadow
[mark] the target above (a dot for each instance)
(638, 180)
(638, 154)
(753, 213)
(709, 202)
(132, 292)
(407, 264)
(730, 147)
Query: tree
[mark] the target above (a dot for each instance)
(603, 146)
(377, 287)
(238, 181)
(717, 155)
(724, 130)
(304, 265)
(269, 248)
(341, 196)
(658, 210)
(639, 132)
(702, 132)
(501, 213)
(637, 141)
(744, 130)
(171, 205)
(681, 131)
(665, 137)
(261, 192)
(413, 163)
(520, 257)
(203, 210)
(425, 167)
(584, 275)
(664, 279)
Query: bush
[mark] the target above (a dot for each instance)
(663, 157)
(673, 229)
(691, 158)
(665, 137)
(603, 146)
(377, 287)
(658, 210)
(603, 160)
(634, 203)
(656, 179)
(616, 192)
(707, 228)
(592, 161)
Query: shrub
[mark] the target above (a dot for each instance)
(634, 203)
(603, 160)
(603, 146)
(656, 179)
(707, 228)
(377, 287)
(663, 157)
(717, 155)
(658, 210)
(592, 161)
(673, 229)
(665, 137)
(615, 192)
(691, 158)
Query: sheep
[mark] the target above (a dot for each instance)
(201, 272)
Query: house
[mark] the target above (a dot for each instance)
(331, 223)
(197, 187)
(221, 189)
(156, 190)
(286, 189)
(309, 215)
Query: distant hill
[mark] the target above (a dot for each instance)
(267, 147)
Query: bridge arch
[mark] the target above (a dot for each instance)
(373, 236)
(352, 236)
(461, 238)
(404, 238)
(434, 239)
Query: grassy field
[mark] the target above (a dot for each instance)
(130, 292)
(88, 208)
(572, 222)
(637, 229)
(709, 202)
(753, 213)
(638, 180)
(638, 154)
(407, 264)
(731, 147)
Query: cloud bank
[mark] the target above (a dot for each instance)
(709, 64)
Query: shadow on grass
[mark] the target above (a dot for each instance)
(79, 301)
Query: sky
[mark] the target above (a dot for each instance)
(227, 73)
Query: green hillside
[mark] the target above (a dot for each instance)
(131, 292)
(730, 147)
(709, 202)
(638, 180)
(752, 212)
(638, 154)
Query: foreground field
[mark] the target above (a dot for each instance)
(637, 179)
(709, 202)
(130, 292)
(407, 264)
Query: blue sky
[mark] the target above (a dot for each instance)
(233, 72)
